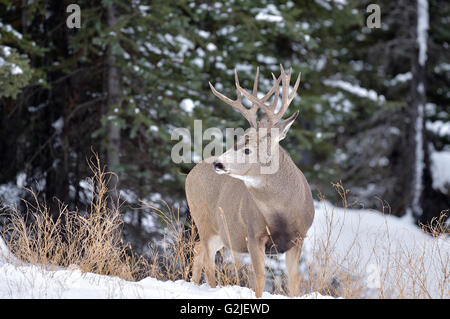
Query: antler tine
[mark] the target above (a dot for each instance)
(236, 81)
(272, 90)
(273, 106)
(255, 83)
(235, 104)
(286, 98)
(297, 82)
(221, 96)
(285, 79)
(249, 114)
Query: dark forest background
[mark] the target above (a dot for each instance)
(136, 70)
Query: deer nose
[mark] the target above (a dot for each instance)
(218, 166)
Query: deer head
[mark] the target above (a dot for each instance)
(257, 151)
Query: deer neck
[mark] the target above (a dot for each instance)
(271, 191)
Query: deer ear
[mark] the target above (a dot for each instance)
(284, 125)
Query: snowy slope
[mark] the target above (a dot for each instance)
(387, 252)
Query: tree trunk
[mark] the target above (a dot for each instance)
(113, 104)
(418, 98)
(409, 156)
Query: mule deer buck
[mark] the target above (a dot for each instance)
(235, 205)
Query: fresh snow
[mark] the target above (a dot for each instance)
(355, 89)
(269, 14)
(187, 105)
(439, 127)
(419, 164)
(58, 125)
(422, 29)
(8, 28)
(18, 280)
(14, 68)
(440, 171)
(400, 78)
(400, 251)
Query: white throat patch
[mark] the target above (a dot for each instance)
(250, 181)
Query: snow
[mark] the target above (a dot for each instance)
(443, 67)
(400, 251)
(211, 47)
(10, 193)
(326, 5)
(18, 280)
(355, 89)
(58, 125)
(21, 179)
(266, 59)
(204, 34)
(269, 14)
(14, 68)
(144, 9)
(400, 78)
(10, 29)
(439, 127)
(440, 171)
(419, 164)
(6, 51)
(187, 105)
(422, 29)
(389, 252)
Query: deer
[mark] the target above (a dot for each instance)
(234, 205)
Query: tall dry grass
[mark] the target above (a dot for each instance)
(172, 257)
(90, 240)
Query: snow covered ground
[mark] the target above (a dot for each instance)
(386, 252)
(30, 281)
(392, 256)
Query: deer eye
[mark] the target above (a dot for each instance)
(247, 151)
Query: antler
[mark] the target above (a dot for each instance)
(251, 114)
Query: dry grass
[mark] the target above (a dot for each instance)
(172, 258)
(92, 241)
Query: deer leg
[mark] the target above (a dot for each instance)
(256, 248)
(198, 262)
(209, 259)
(292, 261)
